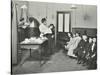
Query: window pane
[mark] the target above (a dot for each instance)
(60, 22)
(66, 22)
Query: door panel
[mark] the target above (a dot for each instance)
(60, 22)
(66, 24)
(63, 22)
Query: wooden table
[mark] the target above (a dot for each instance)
(33, 46)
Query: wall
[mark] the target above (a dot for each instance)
(83, 18)
(89, 31)
(86, 15)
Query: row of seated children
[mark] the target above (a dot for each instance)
(86, 52)
(83, 48)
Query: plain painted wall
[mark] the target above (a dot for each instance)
(86, 15)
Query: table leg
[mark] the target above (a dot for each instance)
(30, 52)
(40, 56)
(41, 60)
(23, 59)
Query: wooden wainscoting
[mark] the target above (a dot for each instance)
(90, 31)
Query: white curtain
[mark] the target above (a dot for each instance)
(14, 33)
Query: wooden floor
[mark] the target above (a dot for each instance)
(57, 63)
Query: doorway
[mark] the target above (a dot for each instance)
(63, 21)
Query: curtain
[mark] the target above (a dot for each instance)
(14, 32)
